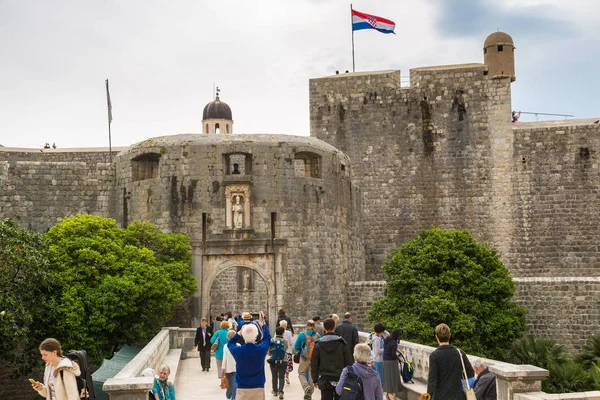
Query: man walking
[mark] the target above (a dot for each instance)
(305, 343)
(330, 357)
(202, 343)
(348, 331)
(485, 384)
(250, 360)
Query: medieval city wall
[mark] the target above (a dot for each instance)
(38, 188)
(443, 152)
(423, 155)
(556, 202)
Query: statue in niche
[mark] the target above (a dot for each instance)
(246, 280)
(236, 169)
(238, 214)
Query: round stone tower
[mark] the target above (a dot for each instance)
(499, 55)
(216, 117)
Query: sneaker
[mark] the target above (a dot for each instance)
(287, 380)
(274, 392)
(307, 393)
(280, 395)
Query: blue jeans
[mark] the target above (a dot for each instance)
(379, 368)
(232, 389)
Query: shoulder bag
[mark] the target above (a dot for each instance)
(469, 392)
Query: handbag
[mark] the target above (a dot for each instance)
(469, 392)
(224, 382)
(297, 358)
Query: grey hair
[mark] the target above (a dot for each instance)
(249, 333)
(362, 353)
(478, 363)
(283, 323)
(165, 367)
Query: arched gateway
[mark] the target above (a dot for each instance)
(261, 265)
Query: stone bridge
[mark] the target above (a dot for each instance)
(174, 347)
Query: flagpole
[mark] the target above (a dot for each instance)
(351, 28)
(109, 105)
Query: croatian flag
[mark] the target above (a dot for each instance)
(367, 21)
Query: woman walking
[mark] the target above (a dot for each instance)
(229, 369)
(220, 338)
(59, 375)
(391, 373)
(445, 368)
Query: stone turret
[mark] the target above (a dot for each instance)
(499, 55)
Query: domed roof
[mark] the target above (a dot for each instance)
(217, 109)
(498, 38)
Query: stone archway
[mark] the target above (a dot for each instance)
(262, 266)
(238, 289)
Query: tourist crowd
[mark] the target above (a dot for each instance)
(328, 354)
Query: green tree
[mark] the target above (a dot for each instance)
(27, 291)
(446, 276)
(119, 285)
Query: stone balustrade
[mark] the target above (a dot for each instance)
(165, 347)
(514, 382)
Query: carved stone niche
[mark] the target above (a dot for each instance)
(237, 207)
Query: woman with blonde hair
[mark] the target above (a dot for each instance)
(59, 375)
(220, 339)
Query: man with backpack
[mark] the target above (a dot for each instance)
(305, 343)
(330, 356)
(278, 361)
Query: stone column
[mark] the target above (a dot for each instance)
(512, 379)
(197, 272)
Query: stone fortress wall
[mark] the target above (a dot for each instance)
(301, 230)
(443, 152)
(41, 187)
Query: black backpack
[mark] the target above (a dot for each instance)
(85, 386)
(353, 387)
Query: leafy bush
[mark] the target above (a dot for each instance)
(446, 276)
(566, 375)
(566, 378)
(539, 352)
(590, 354)
(27, 287)
(119, 285)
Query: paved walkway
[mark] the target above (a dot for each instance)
(193, 384)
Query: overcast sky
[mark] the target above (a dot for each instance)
(163, 57)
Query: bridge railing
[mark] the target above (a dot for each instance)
(514, 382)
(167, 347)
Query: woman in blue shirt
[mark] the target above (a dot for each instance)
(220, 337)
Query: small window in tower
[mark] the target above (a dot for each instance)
(217, 129)
(238, 163)
(307, 164)
(206, 129)
(145, 166)
(500, 47)
(485, 51)
(226, 128)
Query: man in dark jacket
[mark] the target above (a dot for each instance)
(281, 317)
(485, 384)
(202, 343)
(330, 356)
(348, 331)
